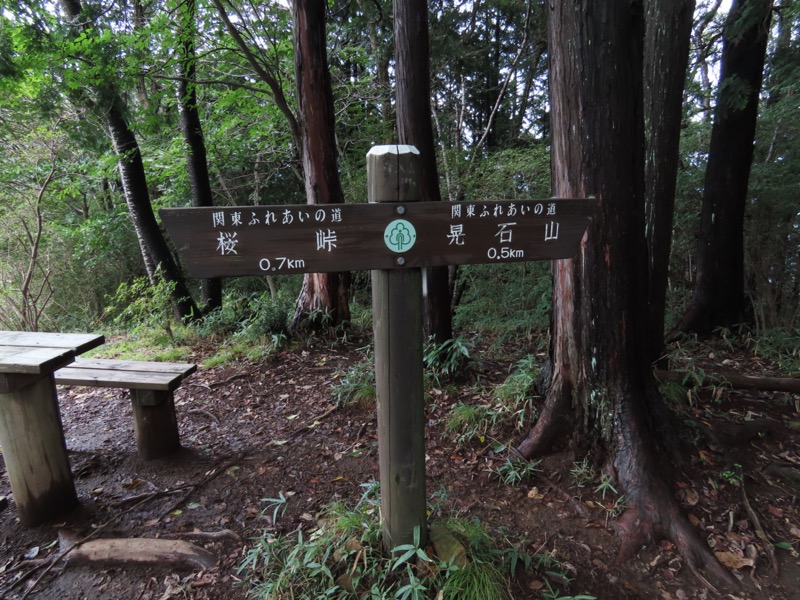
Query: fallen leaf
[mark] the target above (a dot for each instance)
(534, 494)
(706, 457)
(32, 553)
(775, 511)
(689, 496)
(794, 531)
(733, 561)
(536, 584)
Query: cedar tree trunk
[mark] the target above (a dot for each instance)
(718, 299)
(414, 127)
(666, 56)
(602, 390)
(197, 163)
(324, 297)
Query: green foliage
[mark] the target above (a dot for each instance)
(732, 476)
(448, 361)
(515, 471)
(514, 397)
(252, 324)
(512, 404)
(469, 422)
(582, 473)
(142, 304)
(778, 345)
(605, 486)
(356, 385)
(277, 505)
(511, 301)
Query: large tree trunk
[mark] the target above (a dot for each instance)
(324, 297)
(602, 391)
(197, 163)
(718, 299)
(414, 127)
(666, 56)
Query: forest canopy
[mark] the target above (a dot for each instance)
(61, 168)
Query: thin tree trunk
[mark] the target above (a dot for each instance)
(155, 252)
(324, 297)
(718, 299)
(415, 127)
(197, 163)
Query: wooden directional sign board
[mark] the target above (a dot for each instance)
(272, 240)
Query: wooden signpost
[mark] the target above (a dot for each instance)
(393, 235)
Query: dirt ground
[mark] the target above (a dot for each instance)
(252, 431)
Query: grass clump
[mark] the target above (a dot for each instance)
(343, 558)
(511, 405)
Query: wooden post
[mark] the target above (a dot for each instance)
(393, 176)
(155, 423)
(35, 452)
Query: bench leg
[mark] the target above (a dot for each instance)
(155, 423)
(35, 453)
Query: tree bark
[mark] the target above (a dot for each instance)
(415, 127)
(668, 24)
(602, 389)
(324, 297)
(718, 299)
(156, 254)
(197, 163)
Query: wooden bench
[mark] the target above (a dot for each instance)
(151, 385)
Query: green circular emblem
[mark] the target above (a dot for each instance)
(399, 235)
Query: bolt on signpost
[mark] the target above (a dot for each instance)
(394, 235)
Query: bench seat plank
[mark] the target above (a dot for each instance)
(140, 375)
(184, 369)
(136, 380)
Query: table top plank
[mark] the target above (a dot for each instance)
(28, 360)
(78, 342)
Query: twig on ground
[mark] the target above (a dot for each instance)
(773, 562)
(193, 487)
(200, 411)
(148, 495)
(213, 535)
(310, 424)
(229, 379)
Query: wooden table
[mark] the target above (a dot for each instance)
(31, 435)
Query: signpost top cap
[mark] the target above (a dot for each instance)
(392, 149)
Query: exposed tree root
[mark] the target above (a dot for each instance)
(555, 422)
(736, 380)
(768, 547)
(653, 512)
(736, 434)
